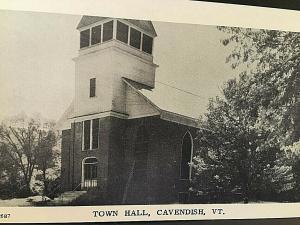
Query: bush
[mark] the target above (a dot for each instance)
(53, 188)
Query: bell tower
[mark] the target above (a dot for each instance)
(111, 49)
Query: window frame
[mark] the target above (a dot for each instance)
(142, 44)
(131, 41)
(128, 32)
(93, 93)
(93, 168)
(96, 137)
(84, 137)
(191, 156)
(89, 38)
(92, 29)
(112, 28)
(90, 135)
(90, 169)
(114, 34)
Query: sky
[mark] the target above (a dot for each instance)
(37, 72)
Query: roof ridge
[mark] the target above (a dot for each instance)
(127, 81)
(139, 83)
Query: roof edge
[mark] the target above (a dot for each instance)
(140, 94)
(87, 20)
(178, 118)
(167, 115)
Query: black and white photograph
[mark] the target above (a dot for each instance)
(99, 110)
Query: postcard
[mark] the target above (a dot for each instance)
(108, 116)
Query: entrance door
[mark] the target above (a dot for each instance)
(89, 173)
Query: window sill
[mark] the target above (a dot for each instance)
(95, 45)
(133, 48)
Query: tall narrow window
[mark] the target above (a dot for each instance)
(135, 38)
(85, 38)
(96, 35)
(91, 134)
(95, 133)
(122, 32)
(147, 44)
(108, 31)
(86, 134)
(186, 156)
(93, 87)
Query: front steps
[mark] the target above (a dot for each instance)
(78, 198)
(67, 197)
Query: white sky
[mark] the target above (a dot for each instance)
(37, 71)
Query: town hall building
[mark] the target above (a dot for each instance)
(121, 138)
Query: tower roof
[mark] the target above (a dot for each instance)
(143, 24)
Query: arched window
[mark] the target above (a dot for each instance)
(186, 156)
(89, 172)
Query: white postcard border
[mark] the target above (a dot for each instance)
(170, 11)
(149, 212)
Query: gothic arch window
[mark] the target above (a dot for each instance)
(186, 156)
(89, 172)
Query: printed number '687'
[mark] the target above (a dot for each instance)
(4, 215)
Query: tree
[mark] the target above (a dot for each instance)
(251, 127)
(9, 176)
(274, 57)
(29, 147)
(46, 156)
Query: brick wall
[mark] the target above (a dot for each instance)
(164, 157)
(115, 155)
(73, 163)
(65, 159)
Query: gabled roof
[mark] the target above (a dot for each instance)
(173, 104)
(169, 103)
(143, 24)
(88, 20)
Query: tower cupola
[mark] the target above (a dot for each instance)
(111, 49)
(95, 30)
